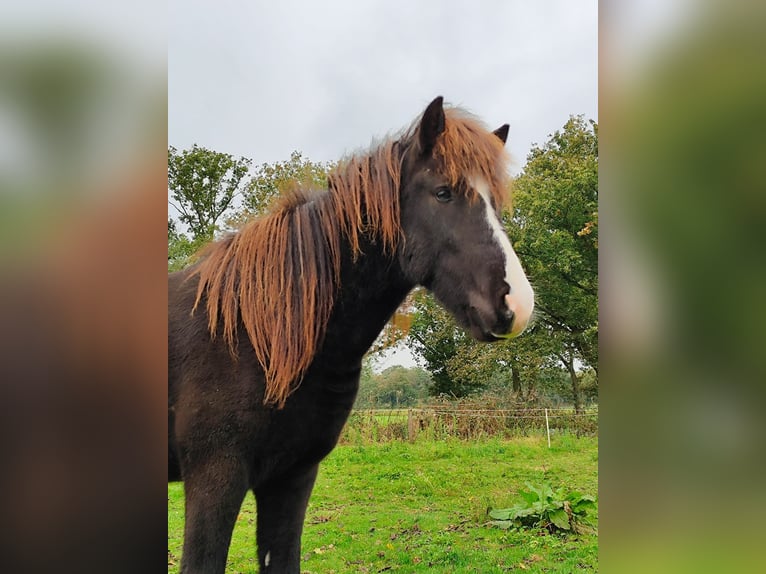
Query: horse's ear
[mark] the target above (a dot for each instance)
(432, 125)
(502, 133)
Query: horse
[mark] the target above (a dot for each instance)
(268, 330)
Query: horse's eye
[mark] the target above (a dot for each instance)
(444, 194)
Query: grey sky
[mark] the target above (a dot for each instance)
(261, 79)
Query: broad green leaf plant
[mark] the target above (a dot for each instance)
(544, 508)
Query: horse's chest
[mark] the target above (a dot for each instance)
(301, 434)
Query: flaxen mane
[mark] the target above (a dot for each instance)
(281, 271)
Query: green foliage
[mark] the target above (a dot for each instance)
(554, 230)
(589, 385)
(397, 386)
(181, 249)
(202, 186)
(435, 338)
(461, 366)
(543, 508)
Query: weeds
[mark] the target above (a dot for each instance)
(544, 508)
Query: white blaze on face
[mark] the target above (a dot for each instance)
(521, 298)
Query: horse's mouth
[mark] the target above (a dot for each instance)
(492, 337)
(483, 335)
(498, 337)
(481, 330)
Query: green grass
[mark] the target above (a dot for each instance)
(422, 507)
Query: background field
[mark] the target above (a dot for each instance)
(422, 507)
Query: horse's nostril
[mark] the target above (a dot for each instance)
(504, 292)
(506, 307)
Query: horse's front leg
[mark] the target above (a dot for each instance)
(281, 510)
(214, 492)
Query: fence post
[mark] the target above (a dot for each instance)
(547, 428)
(410, 426)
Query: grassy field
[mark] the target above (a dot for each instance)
(422, 507)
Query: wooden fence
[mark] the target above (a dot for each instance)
(380, 425)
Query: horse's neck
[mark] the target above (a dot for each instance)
(372, 287)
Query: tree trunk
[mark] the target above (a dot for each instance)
(516, 381)
(576, 393)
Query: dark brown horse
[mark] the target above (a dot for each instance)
(267, 332)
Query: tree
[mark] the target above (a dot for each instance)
(202, 185)
(554, 229)
(460, 365)
(181, 248)
(435, 338)
(395, 387)
(520, 362)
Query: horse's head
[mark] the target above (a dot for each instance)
(452, 182)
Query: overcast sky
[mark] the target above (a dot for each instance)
(261, 79)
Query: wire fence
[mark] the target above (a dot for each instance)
(381, 425)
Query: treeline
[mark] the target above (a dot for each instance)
(553, 225)
(404, 387)
(395, 387)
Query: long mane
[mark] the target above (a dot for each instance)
(279, 274)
